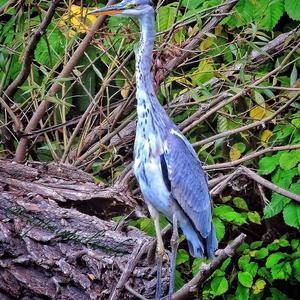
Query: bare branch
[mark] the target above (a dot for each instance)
(41, 110)
(206, 270)
(266, 183)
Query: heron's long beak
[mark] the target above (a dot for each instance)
(108, 10)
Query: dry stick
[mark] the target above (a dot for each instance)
(15, 119)
(247, 127)
(256, 56)
(242, 92)
(29, 53)
(269, 184)
(132, 262)
(250, 156)
(134, 293)
(27, 61)
(193, 42)
(42, 108)
(206, 270)
(220, 187)
(6, 6)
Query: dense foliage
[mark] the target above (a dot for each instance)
(231, 60)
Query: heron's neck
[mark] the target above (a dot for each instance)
(146, 99)
(144, 53)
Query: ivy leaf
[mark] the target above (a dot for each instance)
(292, 8)
(245, 278)
(291, 215)
(219, 285)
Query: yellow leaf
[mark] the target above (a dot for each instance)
(218, 30)
(78, 19)
(259, 286)
(205, 44)
(257, 113)
(253, 253)
(125, 90)
(265, 136)
(234, 153)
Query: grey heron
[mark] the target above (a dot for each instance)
(165, 164)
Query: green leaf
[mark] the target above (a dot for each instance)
(240, 203)
(277, 204)
(291, 215)
(252, 268)
(220, 228)
(273, 13)
(289, 160)
(255, 245)
(261, 253)
(267, 165)
(197, 264)
(254, 217)
(219, 286)
(296, 266)
(178, 281)
(292, 8)
(50, 53)
(182, 257)
(294, 244)
(277, 295)
(281, 271)
(245, 278)
(243, 262)
(225, 264)
(241, 293)
(274, 258)
(227, 213)
(265, 273)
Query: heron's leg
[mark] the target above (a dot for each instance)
(160, 249)
(174, 245)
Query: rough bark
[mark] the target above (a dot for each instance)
(53, 252)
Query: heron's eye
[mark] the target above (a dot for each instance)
(130, 5)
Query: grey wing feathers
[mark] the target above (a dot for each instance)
(188, 182)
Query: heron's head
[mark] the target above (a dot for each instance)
(126, 8)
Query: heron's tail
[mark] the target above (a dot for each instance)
(202, 247)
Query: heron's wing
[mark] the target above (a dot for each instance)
(188, 181)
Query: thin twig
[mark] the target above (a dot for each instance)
(249, 126)
(247, 157)
(266, 183)
(132, 262)
(29, 53)
(206, 270)
(42, 108)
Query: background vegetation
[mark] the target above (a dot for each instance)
(236, 102)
